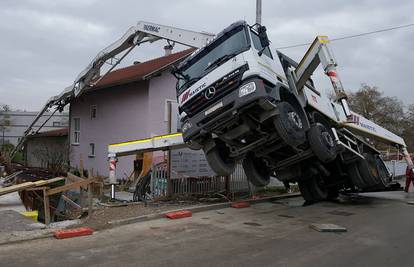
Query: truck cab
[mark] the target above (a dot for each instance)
(234, 106)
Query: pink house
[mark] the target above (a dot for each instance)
(127, 104)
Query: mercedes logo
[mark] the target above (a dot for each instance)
(210, 92)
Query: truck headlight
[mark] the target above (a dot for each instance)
(186, 126)
(246, 89)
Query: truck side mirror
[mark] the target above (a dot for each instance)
(264, 40)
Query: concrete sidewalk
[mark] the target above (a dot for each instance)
(11, 201)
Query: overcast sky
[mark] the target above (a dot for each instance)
(44, 44)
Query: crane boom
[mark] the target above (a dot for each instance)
(143, 32)
(299, 74)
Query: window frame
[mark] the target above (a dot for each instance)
(266, 50)
(93, 108)
(76, 131)
(92, 150)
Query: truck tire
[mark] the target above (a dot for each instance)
(305, 191)
(313, 189)
(322, 142)
(369, 169)
(289, 124)
(256, 171)
(355, 176)
(333, 193)
(219, 161)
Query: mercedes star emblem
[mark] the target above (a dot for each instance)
(210, 92)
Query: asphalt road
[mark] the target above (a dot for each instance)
(380, 233)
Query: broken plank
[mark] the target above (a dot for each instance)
(46, 205)
(36, 188)
(15, 188)
(50, 181)
(74, 178)
(83, 183)
(71, 202)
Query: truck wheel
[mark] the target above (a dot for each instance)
(313, 189)
(355, 177)
(193, 145)
(333, 193)
(256, 171)
(305, 191)
(322, 143)
(369, 171)
(219, 160)
(290, 125)
(318, 188)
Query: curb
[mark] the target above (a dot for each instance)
(197, 209)
(45, 232)
(20, 236)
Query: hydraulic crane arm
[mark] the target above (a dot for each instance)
(299, 74)
(143, 32)
(113, 55)
(318, 53)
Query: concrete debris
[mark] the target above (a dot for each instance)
(63, 224)
(328, 227)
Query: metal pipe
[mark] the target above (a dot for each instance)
(259, 12)
(112, 174)
(112, 191)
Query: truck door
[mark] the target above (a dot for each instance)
(266, 60)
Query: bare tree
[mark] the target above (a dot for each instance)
(386, 111)
(55, 160)
(408, 127)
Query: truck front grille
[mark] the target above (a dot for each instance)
(223, 87)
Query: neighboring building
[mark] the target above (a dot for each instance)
(48, 149)
(14, 123)
(129, 103)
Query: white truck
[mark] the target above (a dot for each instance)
(236, 107)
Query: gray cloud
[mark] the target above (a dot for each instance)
(45, 44)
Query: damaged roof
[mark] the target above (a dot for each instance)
(141, 71)
(52, 133)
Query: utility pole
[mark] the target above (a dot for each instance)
(259, 12)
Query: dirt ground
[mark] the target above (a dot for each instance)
(102, 215)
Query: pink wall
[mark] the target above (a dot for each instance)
(124, 113)
(161, 88)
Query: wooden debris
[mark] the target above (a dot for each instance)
(15, 188)
(27, 185)
(47, 182)
(71, 202)
(73, 178)
(84, 183)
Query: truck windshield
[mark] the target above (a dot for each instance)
(227, 46)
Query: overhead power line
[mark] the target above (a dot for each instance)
(353, 36)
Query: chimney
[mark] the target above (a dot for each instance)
(168, 49)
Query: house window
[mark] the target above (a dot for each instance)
(76, 130)
(91, 150)
(93, 111)
(56, 123)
